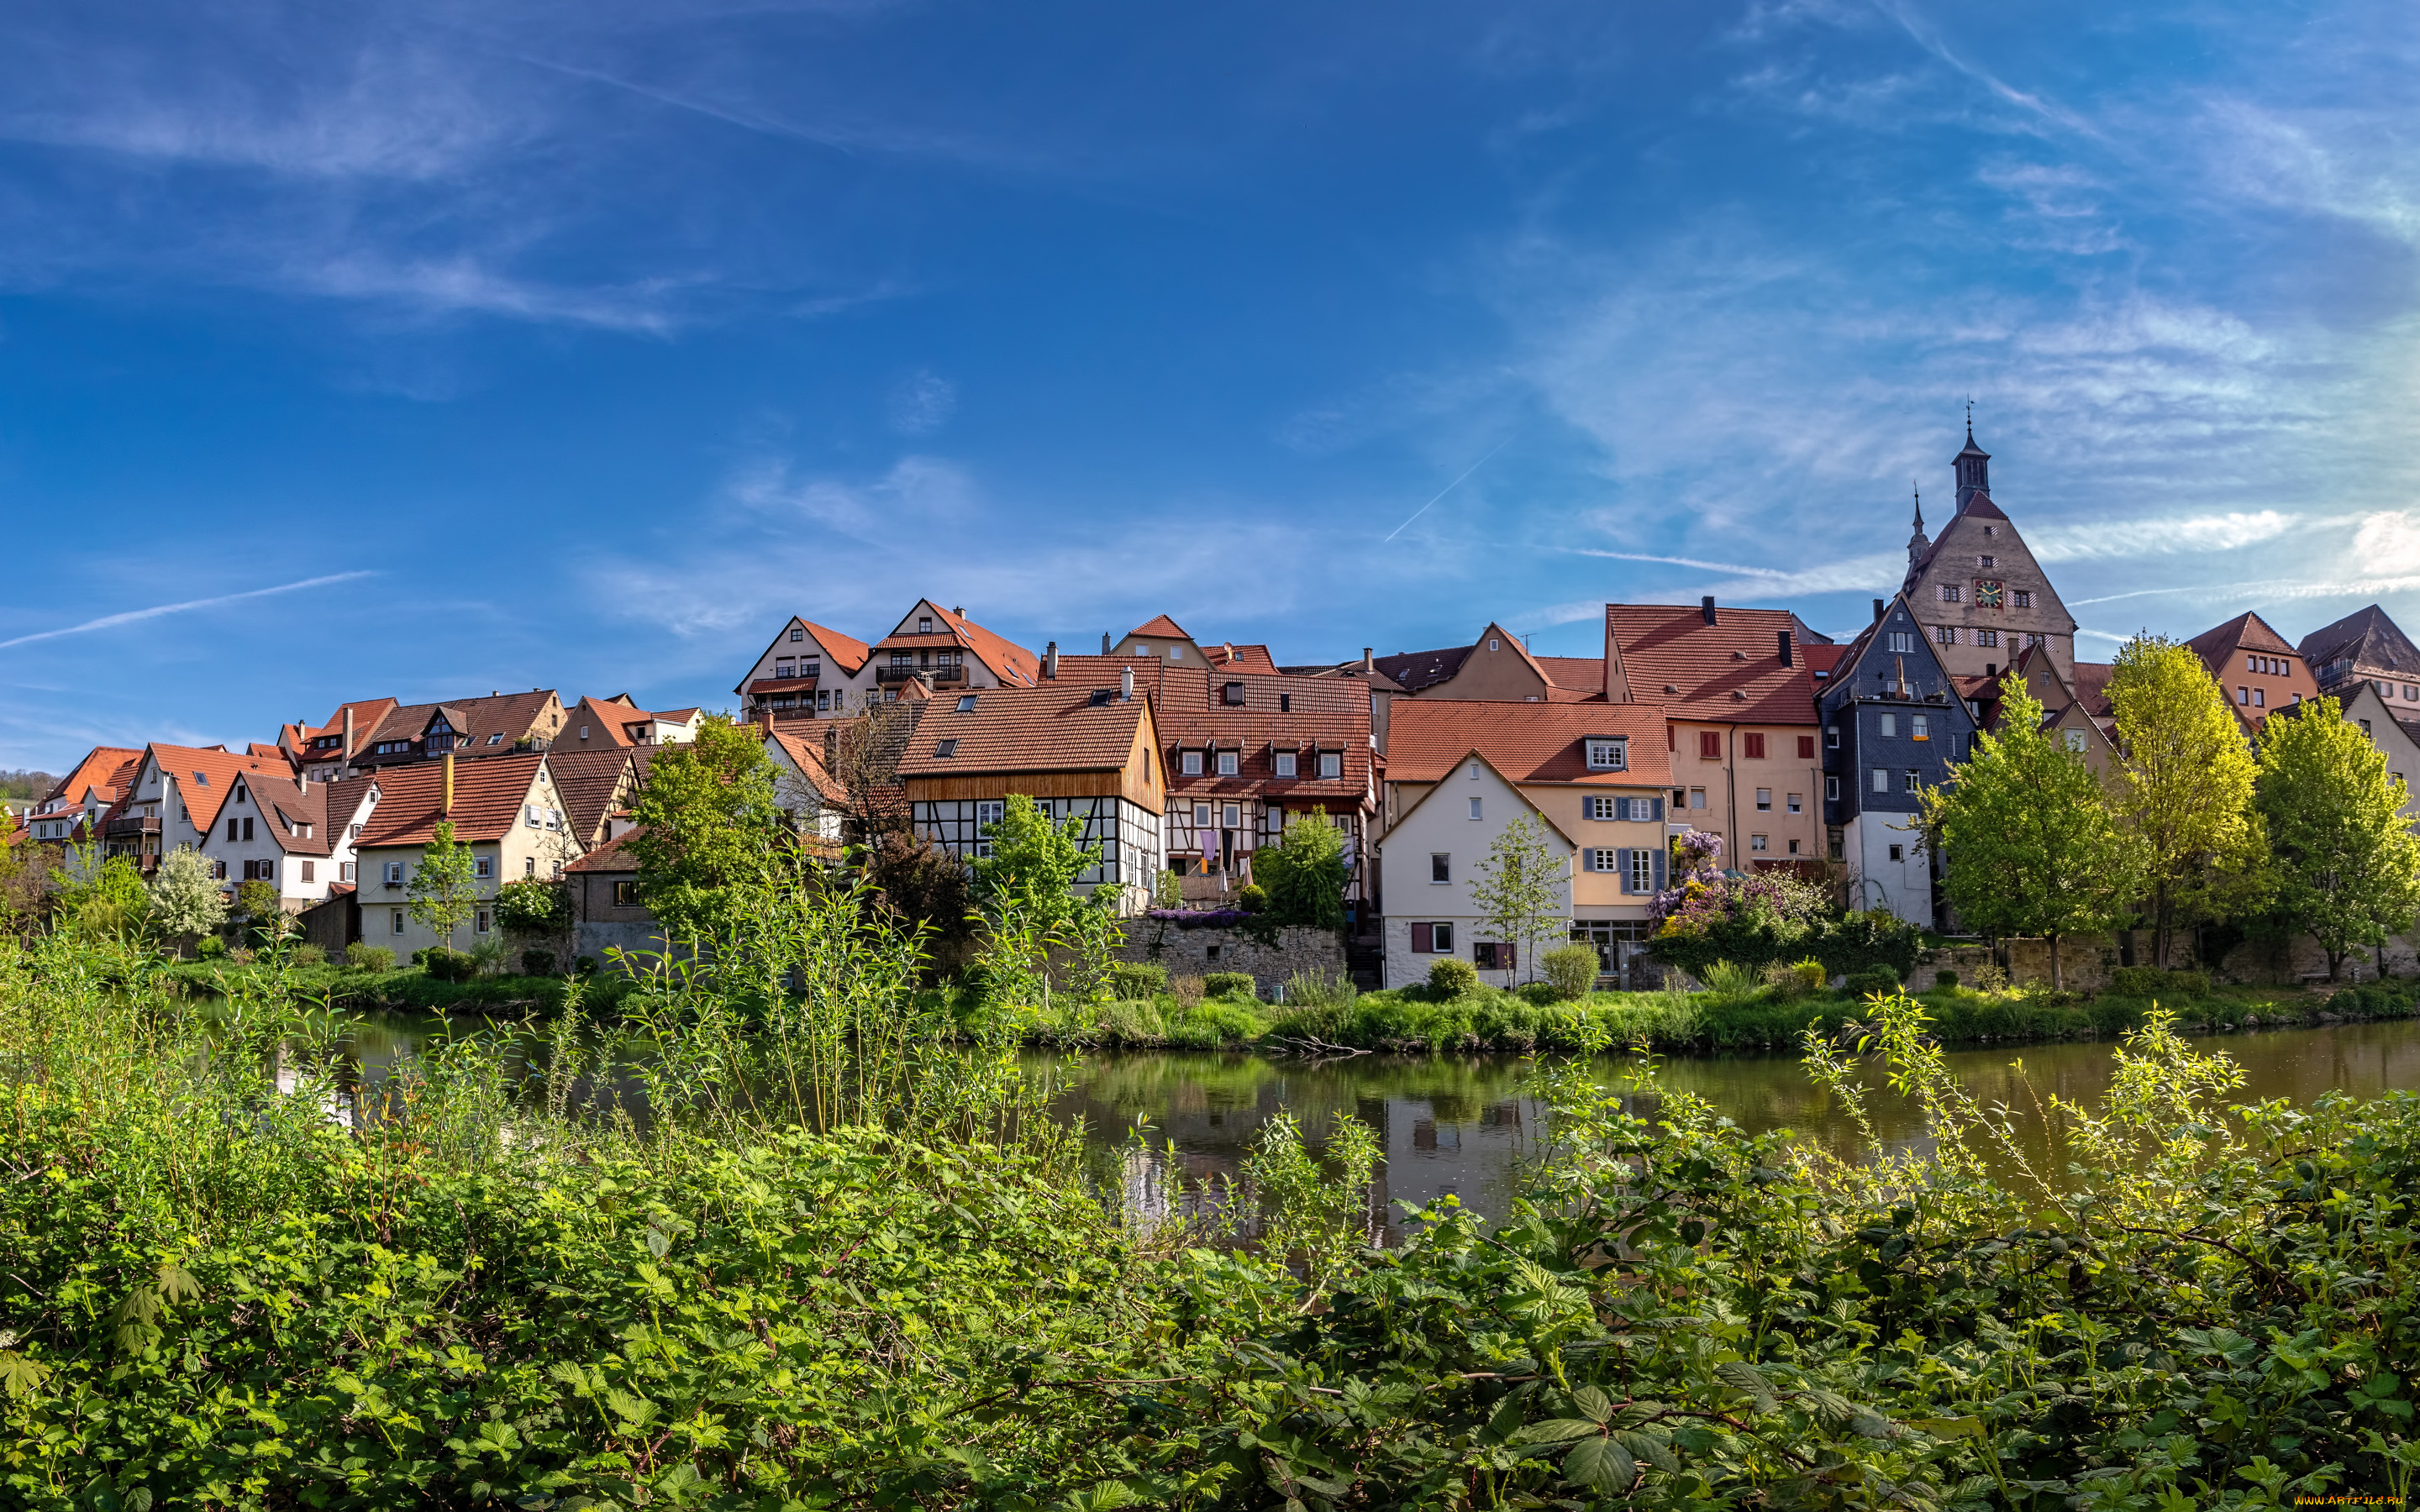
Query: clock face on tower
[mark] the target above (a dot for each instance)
(1988, 593)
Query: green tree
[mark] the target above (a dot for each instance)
(445, 887)
(533, 905)
(2185, 788)
(1304, 873)
(711, 830)
(2347, 867)
(2028, 841)
(1521, 890)
(185, 896)
(1026, 902)
(101, 896)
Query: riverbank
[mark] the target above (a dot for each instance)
(401, 990)
(1414, 1020)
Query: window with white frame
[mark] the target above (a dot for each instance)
(2074, 739)
(1951, 592)
(1831, 790)
(1911, 780)
(1602, 859)
(1882, 780)
(1189, 763)
(395, 873)
(1201, 816)
(1475, 809)
(1889, 724)
(1757, 843)
(483, 867)
(479, 926)
(1764, 800)
(1602, 808)
(1331, 765)
(1946, 634)
(1642, 871)
(1919, 726)
(397, 917)
(1608, 755)
(1797, 805)
(1831, 738)
(1227, 762)
(1285, 762)
(1697, 797)
(1902, 640)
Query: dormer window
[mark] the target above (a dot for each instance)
(1492, 644)
(1228, 761)
(1234, 695)
(1331, 765)
(1189, 763)
(1608, 755)
(1283, 763)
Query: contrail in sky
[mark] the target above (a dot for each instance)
(1447, 489)
(131, 615)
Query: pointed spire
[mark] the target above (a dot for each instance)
(1973, 465)
(1918, 543)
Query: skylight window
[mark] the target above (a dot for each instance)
(945, 750)
(966, 703)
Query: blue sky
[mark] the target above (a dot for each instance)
(528, 343)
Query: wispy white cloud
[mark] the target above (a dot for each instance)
(134, 616)
(923, 403)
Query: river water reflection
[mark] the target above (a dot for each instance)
(1457, 1123)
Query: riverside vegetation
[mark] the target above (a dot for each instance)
(847, 1263)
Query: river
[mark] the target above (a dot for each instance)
(1457, 1123)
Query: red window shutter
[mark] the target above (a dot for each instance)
(1420, 939)
(1756, 745)
(1710, 745)
(1806, 747)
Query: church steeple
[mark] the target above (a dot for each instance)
(1973, 466)
(1918, 543)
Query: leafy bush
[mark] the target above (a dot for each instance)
(1450, 976)
(2189, 983)
(1945, 978)
(1219, 1021)
(1137, 978)
(1187, 991)
(1870, 980)
(242, 955)
(537, 962)
(1229, 984)
(1540, 993)
(1252, 899)
(2136, 981)
(361, 956)
(1132, 1020)
(1730, 978)
(1319, 989)
(585, 966)
(308, 954)
(444, 965)
(1571, 969)
(1304, 873)
(533, 905)
(210, 948)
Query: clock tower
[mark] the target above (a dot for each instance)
(1976, 589)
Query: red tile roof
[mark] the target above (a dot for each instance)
(590, 782)
(1279, 712)
(614, 856)
(1583, 673)
(512, 715)
(1054, 728)
(1161, 627)
(487, 798)
(1010, 662)
(105, 771)
(1527, 742)
(2247, 632)
(1251, 659)
(806, 752)
(1728, 671)
(846, 651)
(206, 775)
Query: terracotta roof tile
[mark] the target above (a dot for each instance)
(1279, 712)
(1011, 663)
(806, 752)
(1671, 647)
(614, 856)
(204, 776)
(509, 715)
(2367, 637)
(1162, 629)
(1248, 659)
(487, 798)
(1054, 728)
(105, 771)
(846, 651)
(1528, 742)
(591, 783)
(1584, 674)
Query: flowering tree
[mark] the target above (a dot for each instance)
(1755, 918)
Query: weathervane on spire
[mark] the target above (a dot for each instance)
(1970, 417)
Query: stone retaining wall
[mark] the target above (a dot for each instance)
(1194, 952)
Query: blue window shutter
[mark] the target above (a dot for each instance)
(1621, 867)
(1657, 804)
(1659, 871)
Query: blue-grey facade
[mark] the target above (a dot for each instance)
(1893, 723)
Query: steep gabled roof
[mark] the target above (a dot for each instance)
(206, 775)
(509, 715)
(2247, 632)
(1011, 663)
(806, 753)
(614, 856)
(603, 718)
(1474, 754)
(1161, 628)
(104, 772)
(1251, 659)
(2365, 638)
(1280, 713)
(487, 798)
(1415, 669)
(1729, 671)
(590, 781)
(1527, 742)
(1054, 728)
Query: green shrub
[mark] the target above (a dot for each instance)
(242, 955)
(1811, 974)
(1450, 976)
(1730, 978)
(1319, 989)
(366, 957)
(1221, 1021)
(2136, 981)
(1539, 994)
(585, 966)
(210, 948)
(1132, 1020)
(1137, 978)
(535, 963)
(1229, 984)
(1185, 990)
(308, 954)
(1252, 899)
(1871, 981)
(443, 964)
(2189, 983)
(1945, 978)
(1571, 969)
